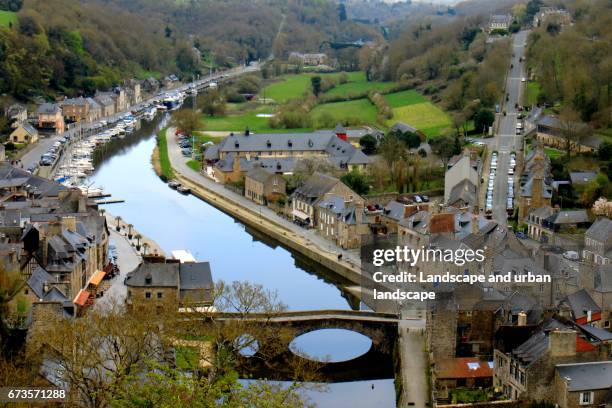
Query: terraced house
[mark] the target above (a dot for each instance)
(56, 238)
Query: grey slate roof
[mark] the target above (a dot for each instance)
(344, 213)
(464, 191)
(259, 174)
(316, 186)
(403, 127)
(603, 278)
(39, 186)
(581, 302)
(596, 333)
(29, 128)
(600, 230)
(535, 347)
(586, 376)
(48, 108)
(195, 275)
(569, 217)
(582, 177)
(161, 274)
(394, 210)
(74, 101)
(37, 281)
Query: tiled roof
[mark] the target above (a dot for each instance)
(463, 367)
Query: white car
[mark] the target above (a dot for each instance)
(523, 79)
(510, 171)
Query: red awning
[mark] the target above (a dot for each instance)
(97, 278)
(81, 298)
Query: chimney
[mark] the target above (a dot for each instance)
(522, 319)
(45, 287)
(69, 222)
(475, 225)
(562, 343)
(82, 204)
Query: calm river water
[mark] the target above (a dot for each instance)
(176, 221)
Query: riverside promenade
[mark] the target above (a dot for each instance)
(292, 236)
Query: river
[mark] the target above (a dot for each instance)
(177, 221)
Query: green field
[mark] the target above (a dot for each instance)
(360, 109)
(239, 122)
(7, 17)
(424, 116)
(358, 85)
(164, 160)
(404, 98)
(289, 87)
(553, 153)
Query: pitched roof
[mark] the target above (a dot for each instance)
(581, 303)
(463, 367)
(582, 177)
(259, 174)
(154, 275)
(48, 108)
(569, 217)
(195, 275)
(316, 186)
(586, 376)
(464, 191)
(403, 127)
(596, 333)
(39, 278)
(601, 230)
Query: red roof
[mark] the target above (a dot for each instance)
(583, 345)
(81, 298)
(442, 223)
(463, 367)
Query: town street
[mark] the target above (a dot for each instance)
(507, 139)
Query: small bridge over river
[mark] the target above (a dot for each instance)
(376, 363)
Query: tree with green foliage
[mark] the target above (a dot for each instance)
(368, 144)
(483, 119)
(356, 181)
(605, 151)
(186, 120)
(316, 83)
(213, 103)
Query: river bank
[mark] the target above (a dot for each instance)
(265, 222)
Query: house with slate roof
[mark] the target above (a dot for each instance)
(262, 186)
(317, 188)
(551, 132)
(535, 188)
(24, 133)
(461, 183)
(580, 307)
(50, 118)
(598, 242)
(341, 221)
(544, 222)
(583, 384)
(186, 284)
(527, 371)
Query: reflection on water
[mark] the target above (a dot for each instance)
(176, 221)
(331, 345)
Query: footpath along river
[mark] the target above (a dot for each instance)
(177, 221)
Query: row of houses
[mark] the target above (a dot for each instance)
(56, 239)
(53, 116)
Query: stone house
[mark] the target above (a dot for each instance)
(583, 384)
(395, 212)
(262, 186)
(461, 182)
(340, 221)
(133, 92)
(75, 109)
(551, 132)
(598, 242)
(535, 182)
(311, 60)
(50, 118)
(106, 102)
(544, 222)
(528, 370)
(186, 284)
(16, 114)
(318, 187)
(561, 16)
(500, 22)
(95, 110)
(24, 133)
(581, 308)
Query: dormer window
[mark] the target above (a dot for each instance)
(236, 145)
(269, 143)
(310, 143)
(289, 143)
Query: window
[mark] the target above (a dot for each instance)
(586, 398)
(159, 295)
(148, 295)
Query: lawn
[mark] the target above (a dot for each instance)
(404, 98)
(360, 110)
(533, 91)
(424, 116)
(289, 87)
(164, 161)
(239, 122)
(553, 153)
(358, 85)
(7, 17)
